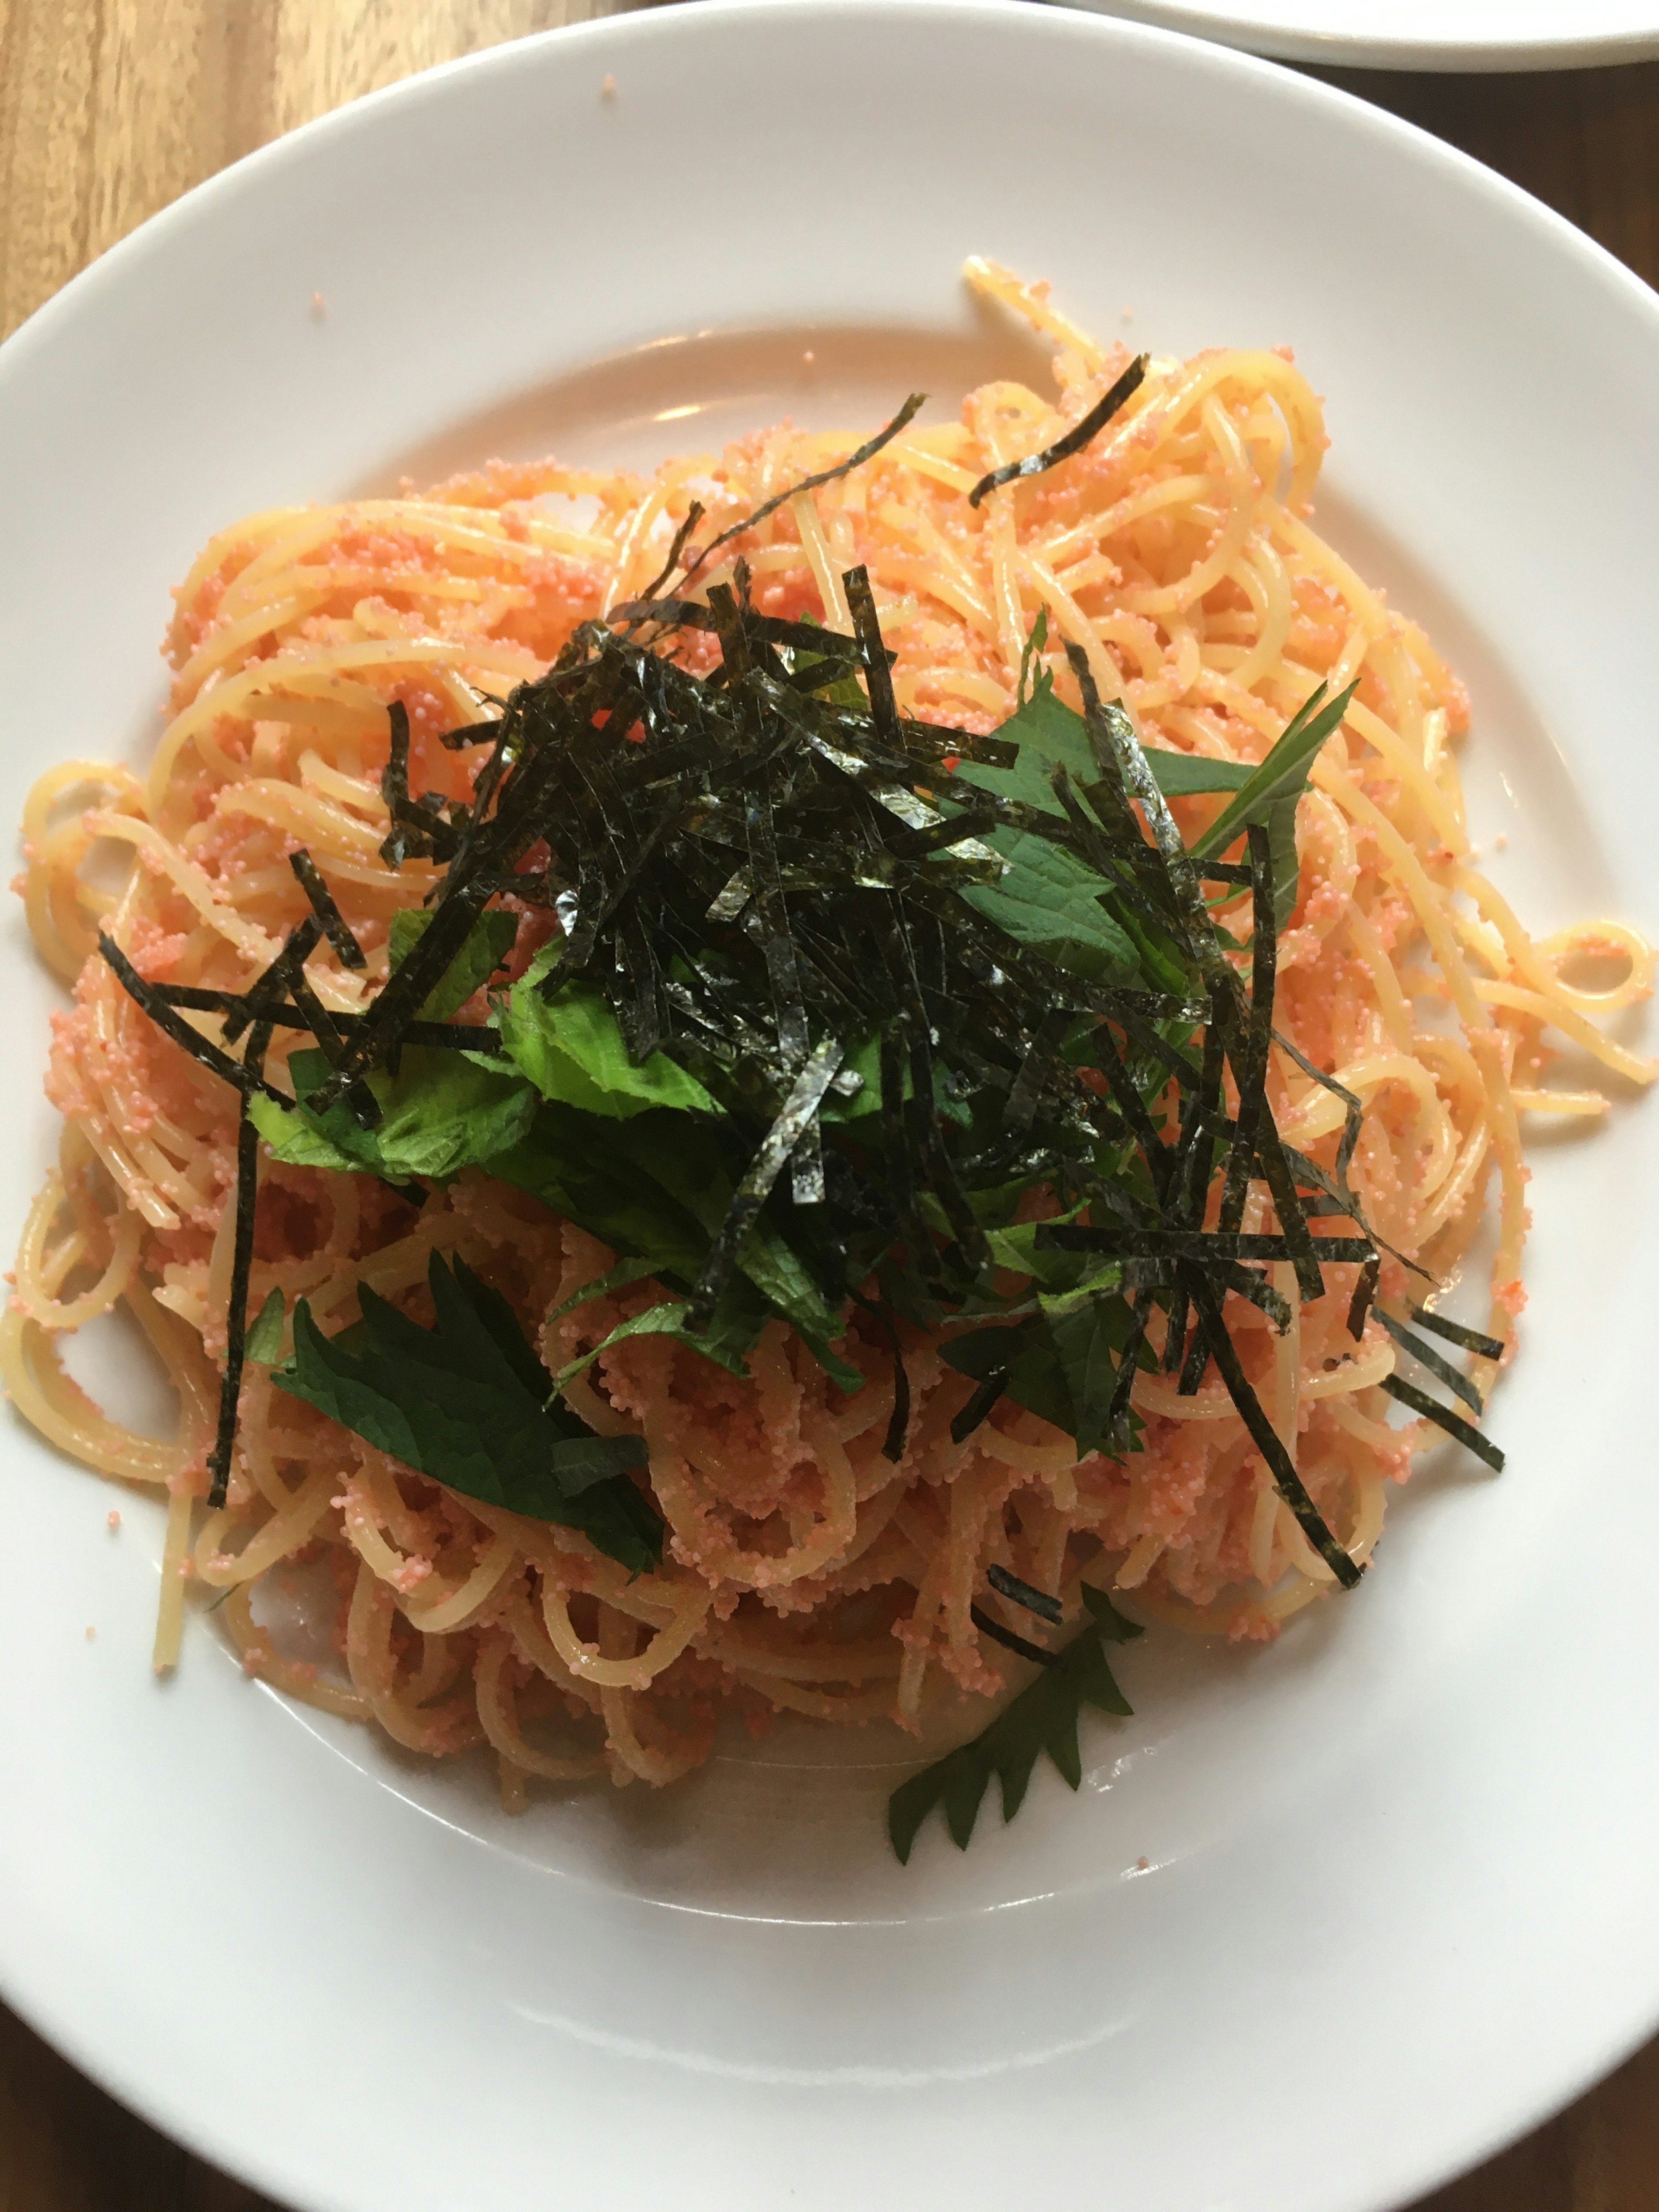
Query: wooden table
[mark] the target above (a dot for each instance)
(110, 108)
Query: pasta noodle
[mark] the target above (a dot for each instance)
(804, 1570)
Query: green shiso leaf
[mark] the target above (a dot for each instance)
(263, 1342)
(667, 1318)
(655, 1189)
(572, 1049)
(484, 951)
(1049, 899)
(1269, 794)
(1050, 735)
(441, 1112)
(468, 1403)
(1044, 1717)
(1049, 902)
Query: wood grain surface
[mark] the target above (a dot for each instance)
(110, 108)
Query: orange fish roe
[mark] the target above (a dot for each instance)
(803, 1571)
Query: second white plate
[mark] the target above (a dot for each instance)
(1417, 34)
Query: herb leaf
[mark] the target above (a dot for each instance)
(1049, 899)
(1049, 902)
(487, 945)
(466, 1401)
(1269, 793)
(263, 1341)
(441, 1112)
(665, 1319)
(1050, 735)
(572, 1049)
(1043, 1717)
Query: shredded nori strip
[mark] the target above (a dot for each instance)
(867, 451)
(1443, 1371)
(270, 986)
(456, 1036)
(1351, 1108)
(1010, 1586)
(148, 996)
(1266, 1438)
(798, 1109)
(1075, 439)
(1281, 1183)
(349, 952)
(1161, 1243)
(1117, 1411)
(973, 1413)
(898, 1421)
(1443, 1417)
(244, 1198)
(681, 538)
(394, 789)
(1454, 1332)
(1200, 1111)
(1364, 1292)
(1019, 1645)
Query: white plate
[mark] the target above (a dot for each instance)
(1401, 1896)
(1426, 34)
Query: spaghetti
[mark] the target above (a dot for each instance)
(804, 1569)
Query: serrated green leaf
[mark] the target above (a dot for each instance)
(572, 1049)
(1050, 734)
(263, 1340)
(466, 1402)
(614, 1278)
(667, 1318)
(656, 1189)
(441, 1113)
(484, 949)
(1026, 1351)
(1050, 900)
(1080, 1338)
(1061, 1745)
(298, 1138)
(569, 1160)
(1186, 775)
(965, 1784)
(1043, 1718)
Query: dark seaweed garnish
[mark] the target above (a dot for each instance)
(1075, 439)
(1266, 1438)
(898, 1421)
(1425, 1355)
(867, 451)
(1454, 1332)
(1443, 1417)
(977, 1410)
(350, 953)
(1021, 1646)
(1022, 1593)
(1365, 1294)
(243, 1200)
